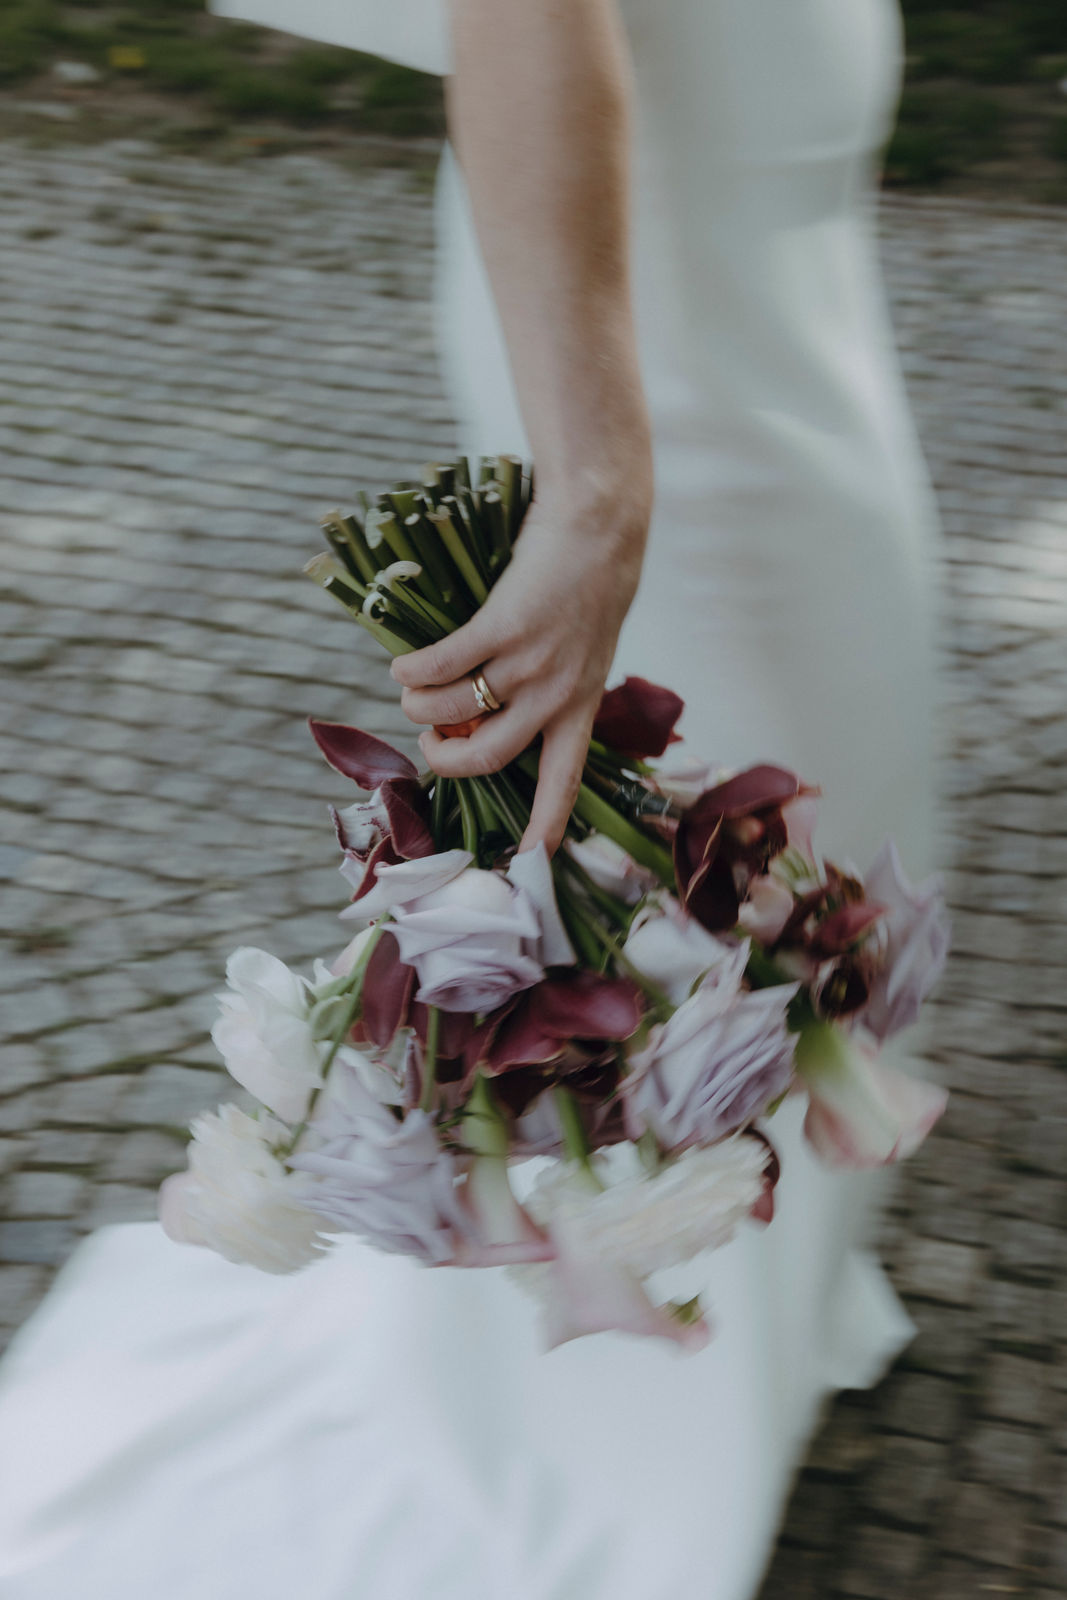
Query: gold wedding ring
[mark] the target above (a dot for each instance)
(485, 699)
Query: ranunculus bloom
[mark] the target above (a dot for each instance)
(371, 1174)
(694, 1203)
(862, 1112)
(917, 934)
(237, 1197)
(717, 1063)
(264, 1033)
(609, 1241)
(671, 949)
(610, 868)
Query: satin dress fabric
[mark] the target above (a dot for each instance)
(371, 1430)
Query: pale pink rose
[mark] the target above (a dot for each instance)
(472, 942)
(475, 938)
(610, 868)
(671, 949)
(264, 1033)
(862, 1112)
(724, 1056)
(237, 1198)
(767, 908)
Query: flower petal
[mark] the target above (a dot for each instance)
(360, 756)
(398, 883)
(532, 872)
(862, 1112)
(637, 718)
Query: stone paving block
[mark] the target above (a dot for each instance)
(984, 1524)
(21, 1287)
(1016, 1389)
(121, 1202)
(63, 1147)
(46, 1240)
(936, 1269)
(906, 1480)
(168, 1096)
(146, 1157)
(922, 1405)
(45, 1194)
(91, 1102)
(1008, 1457)
(882, 1564)
(1031, 1251)
(954, 1579)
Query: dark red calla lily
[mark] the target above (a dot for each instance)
(544, 1020)
(763, 1210)
(731, 832)
(388, 987)
(637, 718)
(360, 756)
(395, 823)
(840, 930)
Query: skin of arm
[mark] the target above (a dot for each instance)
(539, 113)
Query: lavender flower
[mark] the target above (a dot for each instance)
(717, 1063)
(386, 1180)
(475, 938)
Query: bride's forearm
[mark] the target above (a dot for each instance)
(539, 114)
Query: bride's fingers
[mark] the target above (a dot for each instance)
(456, 702)
(461, 654)
(564, 748)
(496, 740)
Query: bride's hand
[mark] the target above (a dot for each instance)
(544, 640)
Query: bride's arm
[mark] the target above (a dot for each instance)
(539, 115)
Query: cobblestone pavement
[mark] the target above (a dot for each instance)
(198, 360)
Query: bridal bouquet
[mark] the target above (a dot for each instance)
(631, 1012)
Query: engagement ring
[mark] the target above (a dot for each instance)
(484, 697)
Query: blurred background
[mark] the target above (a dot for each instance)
(216, 256)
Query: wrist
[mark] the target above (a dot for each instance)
(605, 484)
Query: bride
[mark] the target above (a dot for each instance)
(657, 265)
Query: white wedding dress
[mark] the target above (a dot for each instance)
(370, 1430)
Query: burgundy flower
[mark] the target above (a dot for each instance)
(832, 942)
(637, 718)
(393, 824)
(727, 837)
(582, 1006)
